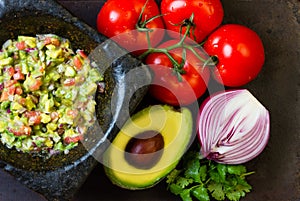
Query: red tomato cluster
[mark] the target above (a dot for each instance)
(167, 36)
(126, 22)
(183, 88)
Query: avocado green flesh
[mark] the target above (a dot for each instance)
(175, 127)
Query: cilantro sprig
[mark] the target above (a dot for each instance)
(202, 179)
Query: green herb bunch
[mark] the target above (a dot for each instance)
(202, 179)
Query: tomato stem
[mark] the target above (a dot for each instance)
(189, 23)
(165, 50)
(214, 60)
(177, 67)
(247, 174)
(194, 52)
(148, 40)
(141, 24)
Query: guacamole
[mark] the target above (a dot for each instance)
(46, 94)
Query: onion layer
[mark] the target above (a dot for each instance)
(233, 127)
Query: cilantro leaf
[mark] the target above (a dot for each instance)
(183, 182)
(200, 192)
(171, 178)
(203, 172)
(216, 190)
(192, 170)
(222, 170)
(185, 195)
(215, 176)
(202, 179)
(239, 191)
(175, 189)
(235, 195)
(243, 185)
(236, 169)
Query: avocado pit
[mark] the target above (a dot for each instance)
(144, 150)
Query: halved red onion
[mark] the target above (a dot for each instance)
(233, 127)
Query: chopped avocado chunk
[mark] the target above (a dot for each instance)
(16, 106)
(3, 126)
(8, 139)
(4, 105)
(30, 41)
(29, 103)
(70, 71)
(51, 127)
(45, 118)
(6, 61)
(53, 52)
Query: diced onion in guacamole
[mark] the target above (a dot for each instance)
(46, 94)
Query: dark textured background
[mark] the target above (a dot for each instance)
(277, 176)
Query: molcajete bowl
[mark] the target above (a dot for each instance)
(58, 177)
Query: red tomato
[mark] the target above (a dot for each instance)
(69, 82)
(35, 85)
(21, 100)
(120, 20)
(9, 71)
(21, 130)
(54, 116)
(7, 91)
(240, 54)
(9, 83)
(74, 139)
(81, 53)
(51, 40)
(34, 117)
(208, 15)
(21, 45)
(18, 75)
(166, 86)
(19, 90)
(72, 113)
(77, 63)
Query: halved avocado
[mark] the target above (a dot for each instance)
(160, 128)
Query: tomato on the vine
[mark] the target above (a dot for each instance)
(239, 52)
(207, 16)
(177, 84)
(127, 23)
